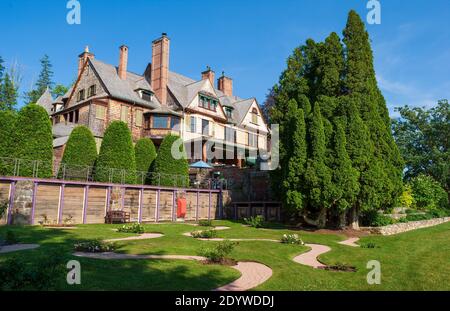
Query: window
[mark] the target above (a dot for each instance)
(208, 103)
(160, 122)
(174, 123)
(138, 118)
(100, 112)
(229, 112)
(255, 116)
(80, 95)
(193, 125)
(92, 91)
(147, 96)
(252, 140)
(230, 135)
(205, 127)
(124, 114)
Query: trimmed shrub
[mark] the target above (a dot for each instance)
(145, 152)
(132, 228)
(255, 222)
(205, 223)
(34, 142)
(168, 170)
(206, 234)
(116, 161)
(219, 252)
(94, 246)
(7, 128)
(291, 239)
(80, 154)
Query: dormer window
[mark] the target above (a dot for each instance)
(208, 102)
(147, 96)
(229, 112)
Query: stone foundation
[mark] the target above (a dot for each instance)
(408, 226)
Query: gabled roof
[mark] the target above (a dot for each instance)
(46, 101)
(241, 108)
(123, 89)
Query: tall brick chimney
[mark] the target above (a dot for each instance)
(225, 85)
(160, 67)
(123, 62)
(83, 57)
(209, 74)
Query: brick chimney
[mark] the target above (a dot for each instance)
(123, 62)
(160, 67)
(83, 57)
(225, 85)
(209, 74)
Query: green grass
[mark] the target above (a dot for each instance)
(417, 260)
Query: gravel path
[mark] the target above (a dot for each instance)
(144, 236)
(253, 274)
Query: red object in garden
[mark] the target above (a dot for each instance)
(181, 211)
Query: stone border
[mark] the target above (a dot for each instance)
(406, 226)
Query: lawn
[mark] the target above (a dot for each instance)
(417, 260)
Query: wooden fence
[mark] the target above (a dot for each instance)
(33, 201)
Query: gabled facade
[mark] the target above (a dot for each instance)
(159, 102)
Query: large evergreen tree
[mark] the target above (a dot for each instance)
(33, 140)
(116, 161)
(169, 169)
(44, 81)
(145, 152)
(79, 155)
(7, 145)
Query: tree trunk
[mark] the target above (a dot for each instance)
(354, 218)
(342, 220)
(322, 219)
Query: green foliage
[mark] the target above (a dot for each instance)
(11, 238)
(7, 143)
(205, 234)
(34, 141)
(205, 223)
(43, 273)
(145, 152)
(94, 246)
(291, 239)
(428, 194)
(422, 136)
(255, 221)
(132, 228)
(171, 170)
(407, 199)
(59, 90)
(116, 160)
(3, 208)
(9, 92)
(219, 252)
(373, 218)
(80, 152)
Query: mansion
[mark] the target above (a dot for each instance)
(205, 113)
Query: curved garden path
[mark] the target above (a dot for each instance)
(143, 236)
(350, 242)
(310, 258)
(17, 247)
(253, 274)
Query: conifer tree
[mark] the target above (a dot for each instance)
(44, 81)
(145, 152)
(7, 143)
(318, 175)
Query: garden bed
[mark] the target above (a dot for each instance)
(406, 226)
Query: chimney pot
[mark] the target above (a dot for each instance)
(225, 84)
(83, 58)
(209, 74)
(160, 67)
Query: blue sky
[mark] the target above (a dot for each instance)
(250, 40)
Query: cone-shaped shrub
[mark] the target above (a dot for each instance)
(145, 152)
(116, 161)
(80, 154)
(7, 128)
(34, 142)
(171, 169)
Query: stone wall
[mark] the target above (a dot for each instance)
(408, 226)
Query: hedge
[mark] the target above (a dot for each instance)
(116, 152)
(171, 171)
(79, 155)
(7, 128)
(145, 152)
(34, 142)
